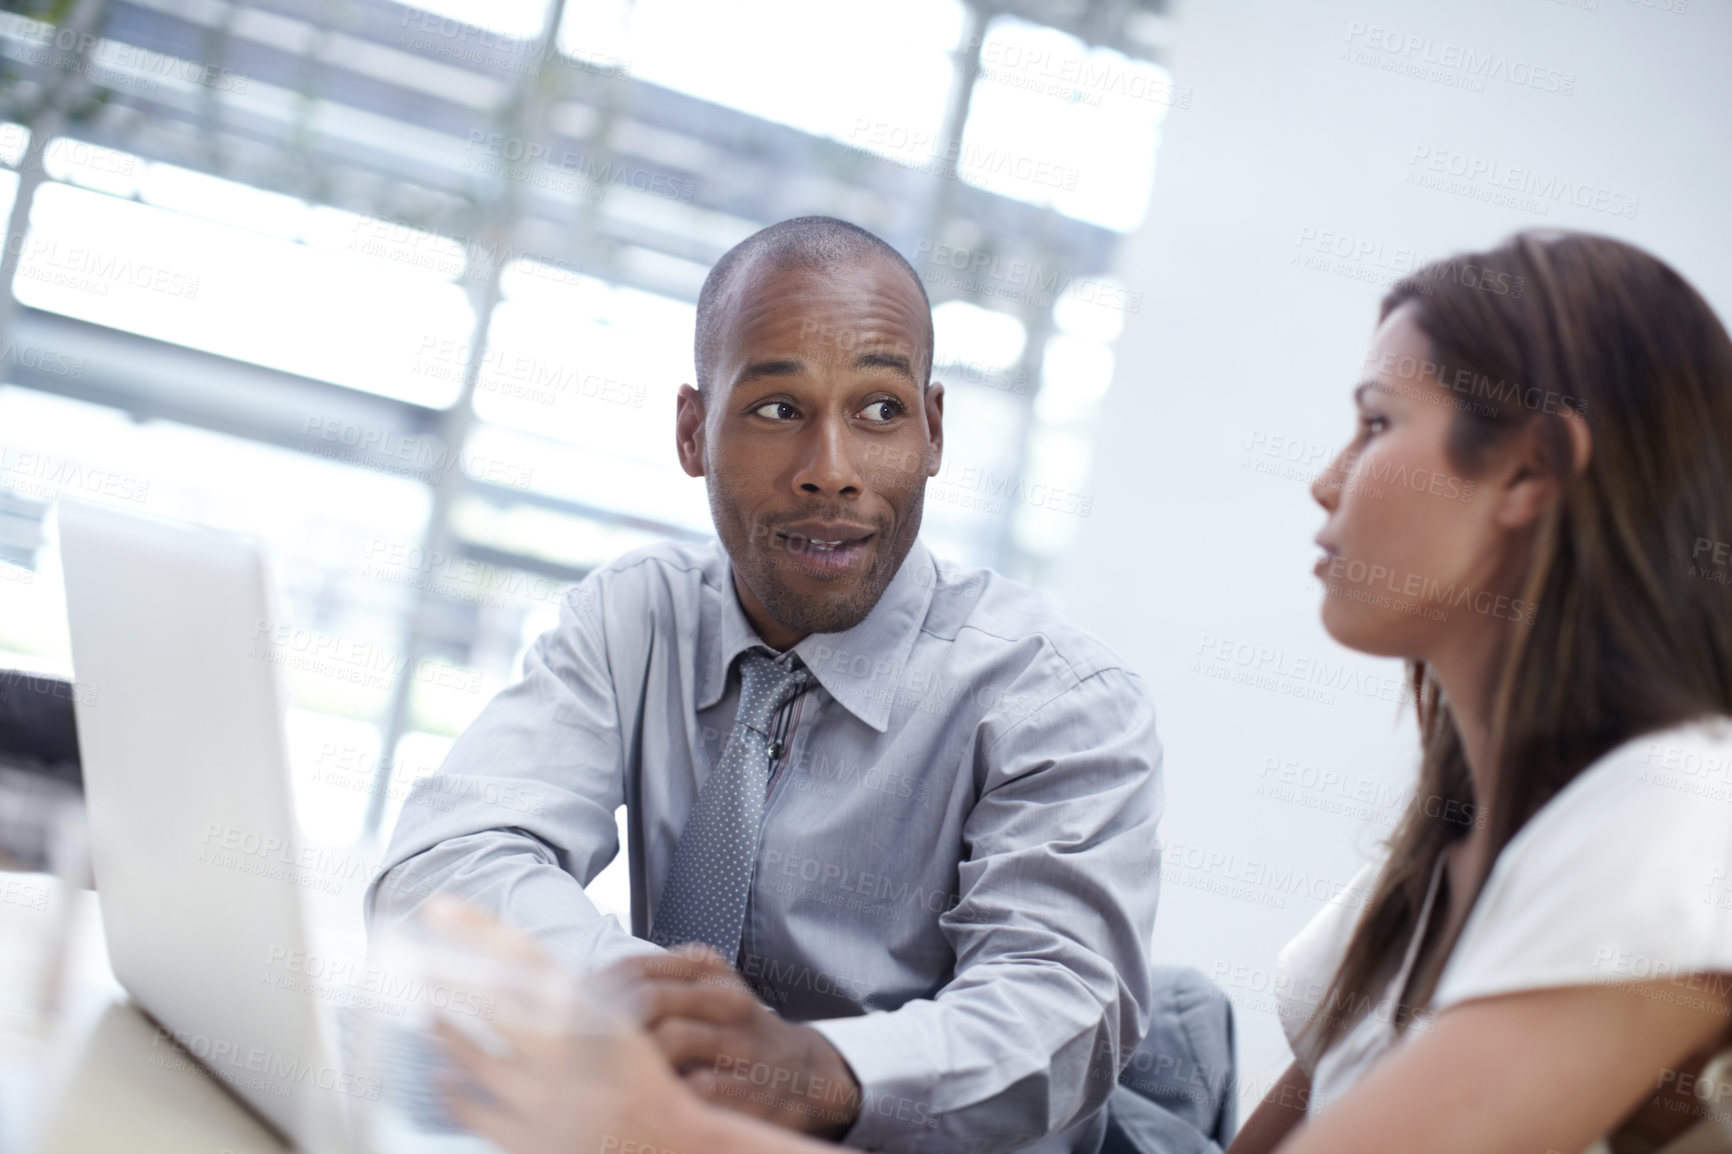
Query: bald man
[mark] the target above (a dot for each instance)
(905, 804)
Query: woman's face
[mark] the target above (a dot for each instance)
(1412, 552)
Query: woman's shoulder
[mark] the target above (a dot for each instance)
(1656, 797)
(1667, 770)
(1623, 876)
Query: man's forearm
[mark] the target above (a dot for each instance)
(511, 875)
(839, 1108)
(966, 1071)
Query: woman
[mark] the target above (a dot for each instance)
(1482, 988)
(1544, 446)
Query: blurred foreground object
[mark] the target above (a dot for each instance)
(453, 973)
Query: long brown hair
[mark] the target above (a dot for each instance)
(1625, 638)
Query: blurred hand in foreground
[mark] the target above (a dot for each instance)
(563, 1070)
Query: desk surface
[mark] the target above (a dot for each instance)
(97, 1077)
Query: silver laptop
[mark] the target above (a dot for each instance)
(192, 832)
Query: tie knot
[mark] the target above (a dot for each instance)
(764, 683)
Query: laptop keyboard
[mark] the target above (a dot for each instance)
(416, 1070)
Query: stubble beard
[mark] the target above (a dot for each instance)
(756, 559)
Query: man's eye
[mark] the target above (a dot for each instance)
(878, 412)
(776, 411)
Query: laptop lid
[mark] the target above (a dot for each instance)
(192, 832)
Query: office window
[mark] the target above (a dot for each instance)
(751, 55)
(1055, 122)
(228, 289)
(410, 293)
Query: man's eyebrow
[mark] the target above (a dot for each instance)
(758, 370)
(894, 361)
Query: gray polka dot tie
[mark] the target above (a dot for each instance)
(704, 897)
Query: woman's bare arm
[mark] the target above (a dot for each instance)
(1541, 1070)
(1281, 1110)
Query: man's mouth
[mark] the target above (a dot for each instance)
(825, 551)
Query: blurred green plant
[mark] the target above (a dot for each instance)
(30, 88)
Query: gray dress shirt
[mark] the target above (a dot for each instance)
(958, 871)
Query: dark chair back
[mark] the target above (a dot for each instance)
(41, 786)
(37, 727)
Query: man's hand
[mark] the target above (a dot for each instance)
(736, 1052)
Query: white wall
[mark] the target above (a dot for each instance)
(1287, 132)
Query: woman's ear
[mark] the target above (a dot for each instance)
(1581, 440)
(1535, 464)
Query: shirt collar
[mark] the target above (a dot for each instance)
(860, 667)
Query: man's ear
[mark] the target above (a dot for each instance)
(934, 404)
(1541, 456)
(689, 431)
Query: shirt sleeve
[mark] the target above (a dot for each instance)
(1622, 877)
(520, 816)
(1051, 933)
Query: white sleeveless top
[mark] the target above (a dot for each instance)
(1624, 876)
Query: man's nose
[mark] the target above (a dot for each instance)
(827, 462)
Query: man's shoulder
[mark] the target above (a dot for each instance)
(982, 609)
(682, 565)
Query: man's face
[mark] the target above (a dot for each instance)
(815, 440)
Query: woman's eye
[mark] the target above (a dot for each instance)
(879, 412)
(775, 411)
(1373, 422)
